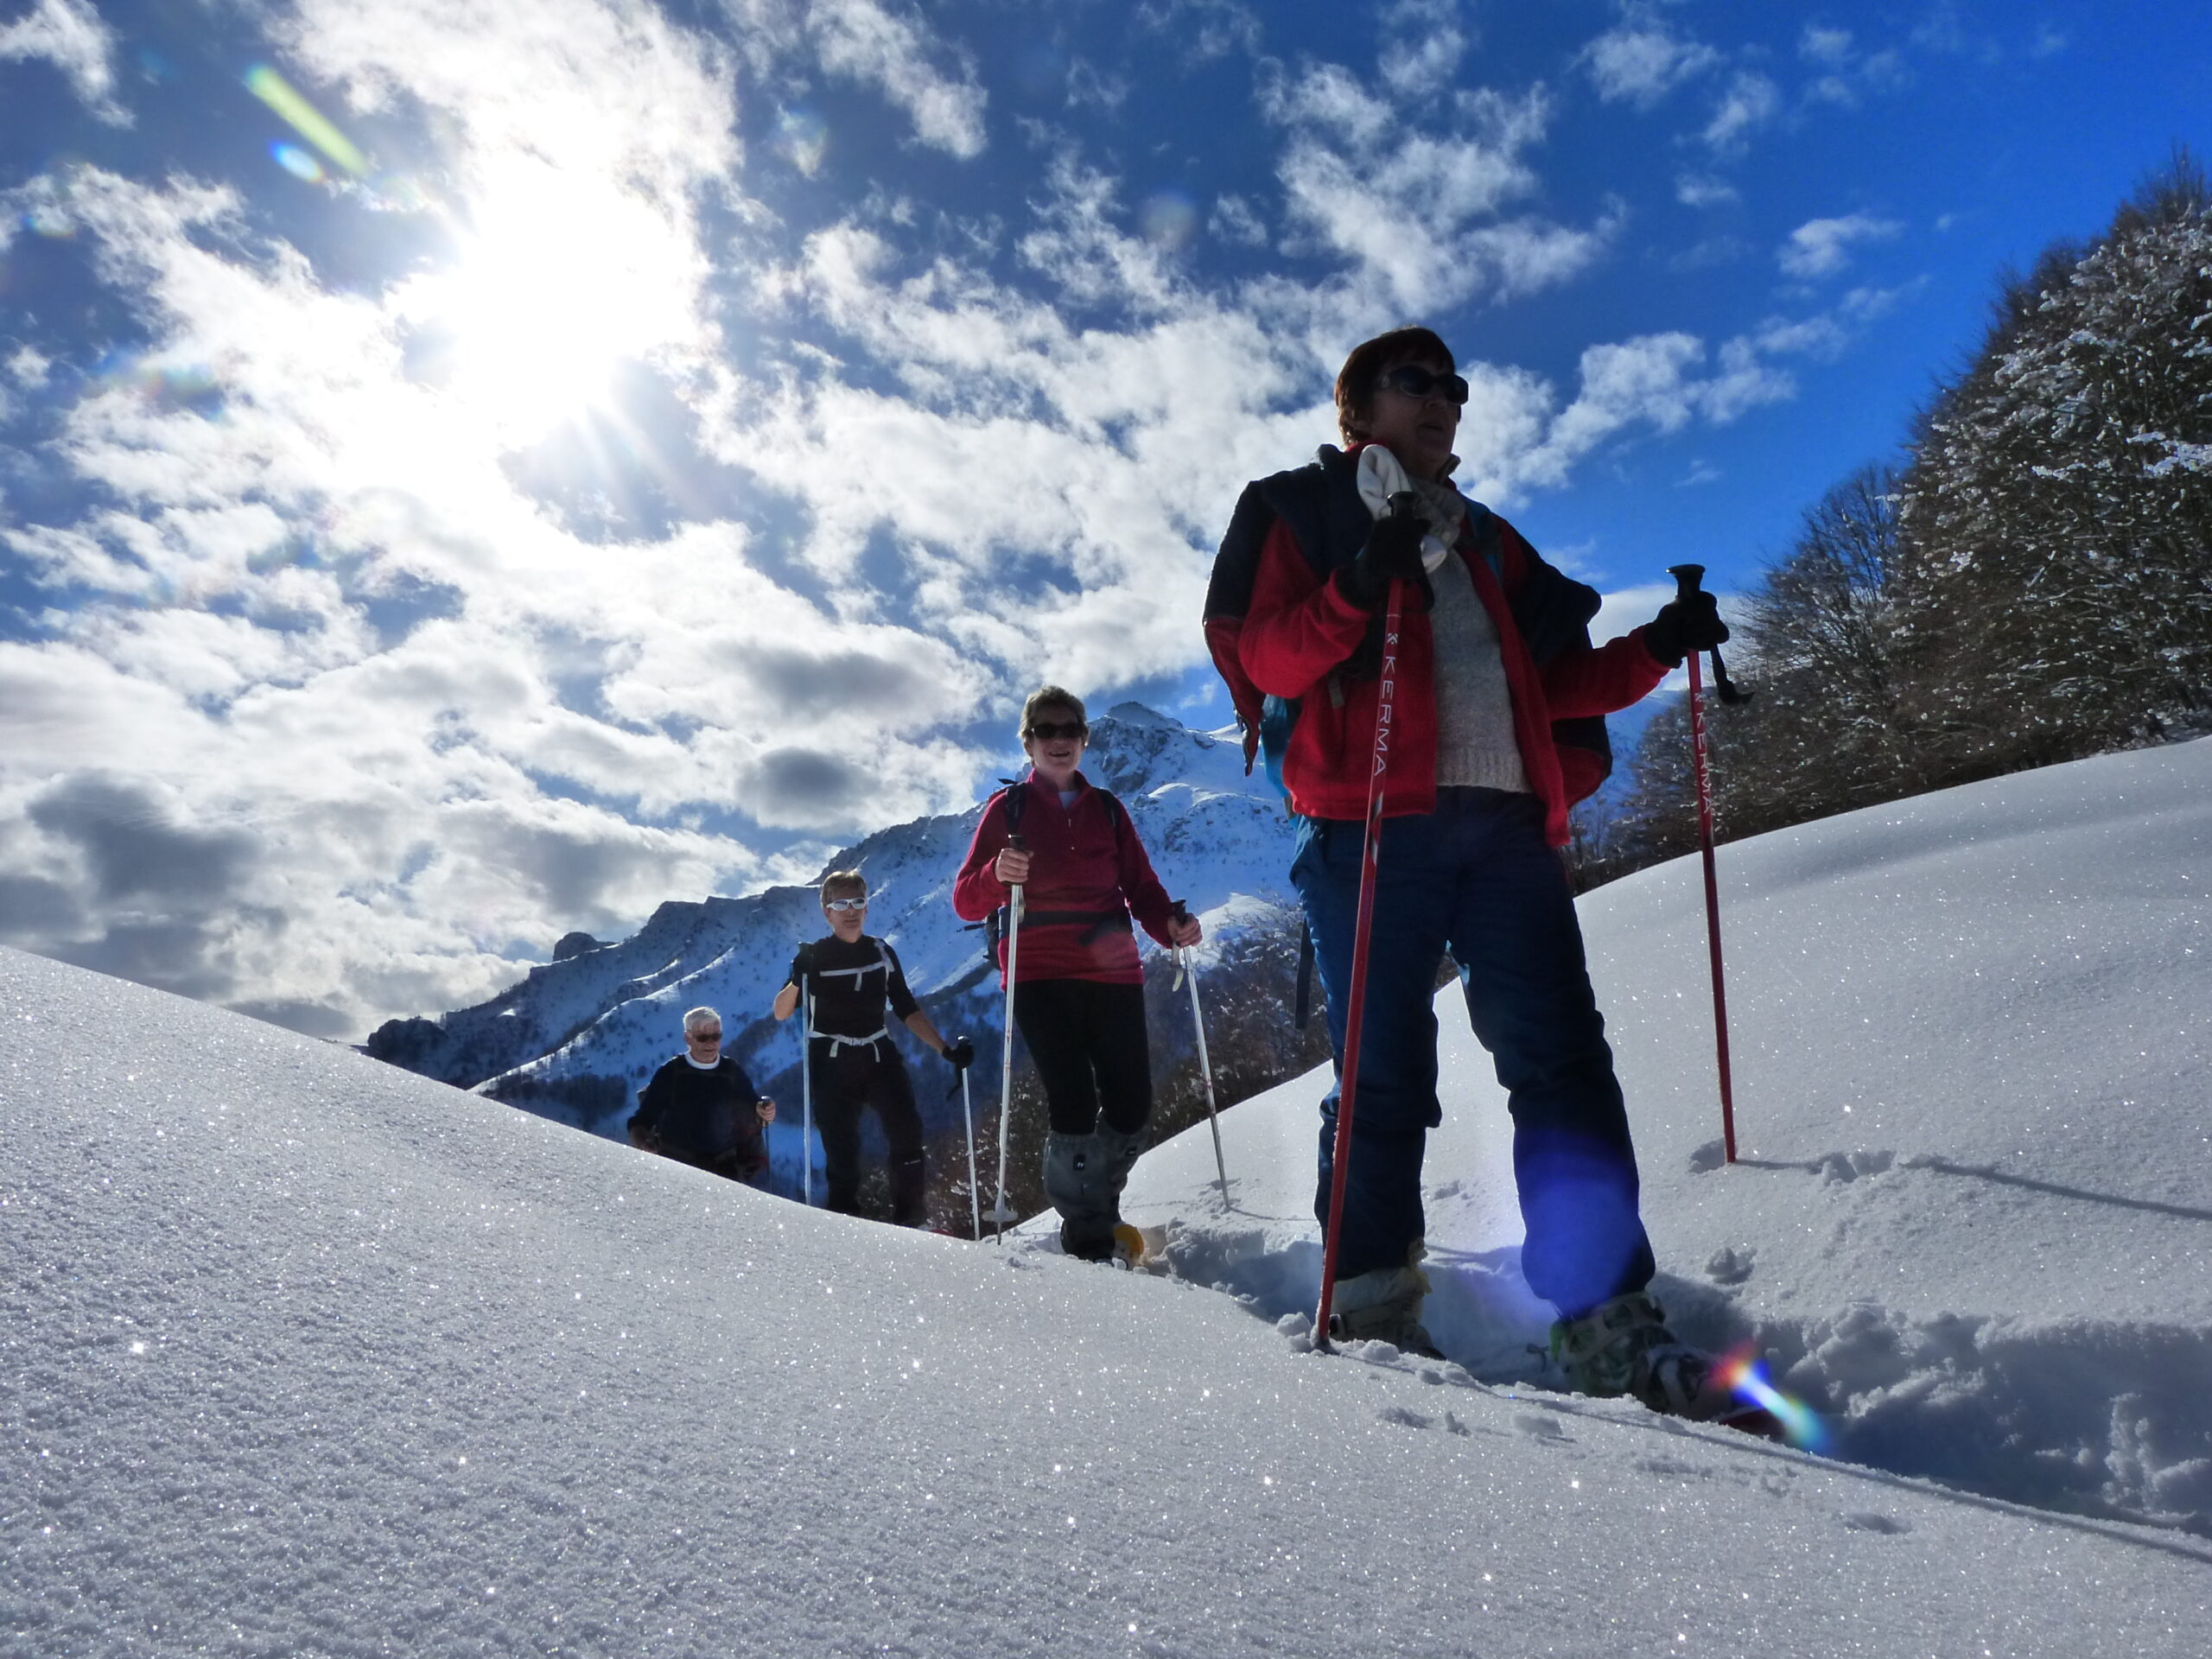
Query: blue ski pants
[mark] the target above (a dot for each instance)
(1477, 878)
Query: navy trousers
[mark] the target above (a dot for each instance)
(1477, 878)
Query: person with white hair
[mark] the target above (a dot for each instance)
(701, 1108)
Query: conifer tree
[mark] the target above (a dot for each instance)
(2058, 511)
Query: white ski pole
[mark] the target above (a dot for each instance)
(806, 1095)
(975, 1189)
(1002, 1212)
(1184, 968)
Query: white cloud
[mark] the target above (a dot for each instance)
(1749, 103)
(1703, 190)
(1845, 72)
(894, 51)
(1209, 28)
(1090, 88)
(1826, 46)
(1657, 381)
(1080, 247)
(1234, 221)
(1820, 247)
(1422, 47)
(1641, 59)
(1420, 212)
(72, 37)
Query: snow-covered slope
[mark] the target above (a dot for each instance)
(307, 1355)
(577, 1037)
(1972, 1219)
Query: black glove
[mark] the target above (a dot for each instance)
(1392, 553)
(961, 1053)
(802, 964)
(1682, 626)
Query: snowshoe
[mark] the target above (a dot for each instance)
(1140, 1250)
(1622, 1347)
(1384, 1306)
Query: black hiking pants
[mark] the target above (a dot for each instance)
(1091, 1052)
(848, 1078)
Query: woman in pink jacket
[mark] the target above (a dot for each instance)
(1078, 1000)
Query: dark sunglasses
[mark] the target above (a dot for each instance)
(1048, 730)
(706, 1036)
(1415, 381)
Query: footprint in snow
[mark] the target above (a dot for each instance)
(1889, 1526)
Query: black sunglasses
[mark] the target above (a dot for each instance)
(1047, 730)
(1414, 381)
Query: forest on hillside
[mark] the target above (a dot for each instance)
(2030, 582)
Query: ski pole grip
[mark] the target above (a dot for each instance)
(1179, 911)
(1406, 504)
(1686, 578)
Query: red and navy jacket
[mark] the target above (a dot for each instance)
(1297, 631)
(1088, 874)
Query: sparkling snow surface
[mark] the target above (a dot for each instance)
(304, 1355)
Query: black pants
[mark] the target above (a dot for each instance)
(847, 1078)
(1091, 1052)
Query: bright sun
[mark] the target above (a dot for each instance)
(560, 278)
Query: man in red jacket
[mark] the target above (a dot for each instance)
(1498, 696)
(1080, 1000)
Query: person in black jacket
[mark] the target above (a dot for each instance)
(701, 1108)
(853, 977)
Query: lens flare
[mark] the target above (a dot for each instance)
(297, 162)
(280, 95)
(1169, 219)
(1745, 1375)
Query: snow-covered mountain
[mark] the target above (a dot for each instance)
(578, 1037)
(307, 1355)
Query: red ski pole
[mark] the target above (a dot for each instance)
(1686, 578)
(1362, 927)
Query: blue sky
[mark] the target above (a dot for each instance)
(471, 469)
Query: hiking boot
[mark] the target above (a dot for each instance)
(1384, 1304)
(1088, 1239)
(1623, 1347)
(909, 1200)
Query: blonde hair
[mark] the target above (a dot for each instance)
(1051, 696)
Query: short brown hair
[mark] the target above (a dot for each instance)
(1355, 380)
(1051, 696)
(843, 884)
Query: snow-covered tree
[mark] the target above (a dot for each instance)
(2057, 515)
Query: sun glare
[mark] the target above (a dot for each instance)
(559, 279)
